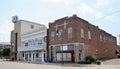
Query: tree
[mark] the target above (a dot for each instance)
(0, 53)
(5, 52)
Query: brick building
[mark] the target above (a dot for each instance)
(78, 38)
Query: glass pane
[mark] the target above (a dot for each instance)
(64, 56)
(59, 57)
(68, 56)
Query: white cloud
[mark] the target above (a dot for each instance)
(66, 2)
(101, 3)
(99, 14)
(86, 9)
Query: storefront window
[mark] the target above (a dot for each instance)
(66, 57)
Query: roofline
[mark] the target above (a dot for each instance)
(32, 22)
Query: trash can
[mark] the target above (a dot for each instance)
(48, 60)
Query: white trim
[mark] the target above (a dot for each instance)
(67, 44)
(43, 33)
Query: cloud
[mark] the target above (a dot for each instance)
(86, 9)
(66, 2)
(99, 14)
(101, 3)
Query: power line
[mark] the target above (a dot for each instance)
(118, 11)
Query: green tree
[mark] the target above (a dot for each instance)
(5, 52)
(0, 53)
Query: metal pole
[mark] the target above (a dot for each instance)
(62, 47)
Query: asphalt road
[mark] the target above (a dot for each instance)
(21, 65)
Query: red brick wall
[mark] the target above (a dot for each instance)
(102, 49)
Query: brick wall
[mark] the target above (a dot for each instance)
(102, 48)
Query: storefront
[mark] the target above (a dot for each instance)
(33, 56)
(73, 52)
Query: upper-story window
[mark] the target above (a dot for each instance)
(100, 37)
(32, 26)
(70, 32)
(61, 34)
(52, 36)
(26, 44)
(104, 38)
(39, 42)
(89, 35)
(82, 33)
(33, 42)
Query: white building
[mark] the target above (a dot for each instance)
(31, 41)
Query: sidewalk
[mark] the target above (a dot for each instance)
(23, 65)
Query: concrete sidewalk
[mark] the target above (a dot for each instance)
(21, 65)
(112, 62)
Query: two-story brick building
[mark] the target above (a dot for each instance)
(71, 39)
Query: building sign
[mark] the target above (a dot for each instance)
(64, 48)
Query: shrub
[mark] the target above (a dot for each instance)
(91, 58)
(98, 62)
(82, 62)
(87, 62)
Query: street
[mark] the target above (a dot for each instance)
(22, 65)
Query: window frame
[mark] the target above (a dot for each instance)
(70, 32)
(52, 36)
(89, 35)
(82, 33)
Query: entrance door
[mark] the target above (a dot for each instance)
(33, 57)
(26, 57)
(73, 59)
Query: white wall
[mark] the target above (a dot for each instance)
(26, 27)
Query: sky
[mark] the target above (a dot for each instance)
(103, 13)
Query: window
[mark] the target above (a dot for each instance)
(29, 54)
(39, 42)
(89, 35)
(100, 37)
(36, 42)
(22, 54)
(61, 34)
(66, 57)
(104, 38)
(26, 44)
(82, 33)
(70, 31)
(45, 39)
(33, 42)
(32, 26)
(29, 43)
(52, 36)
